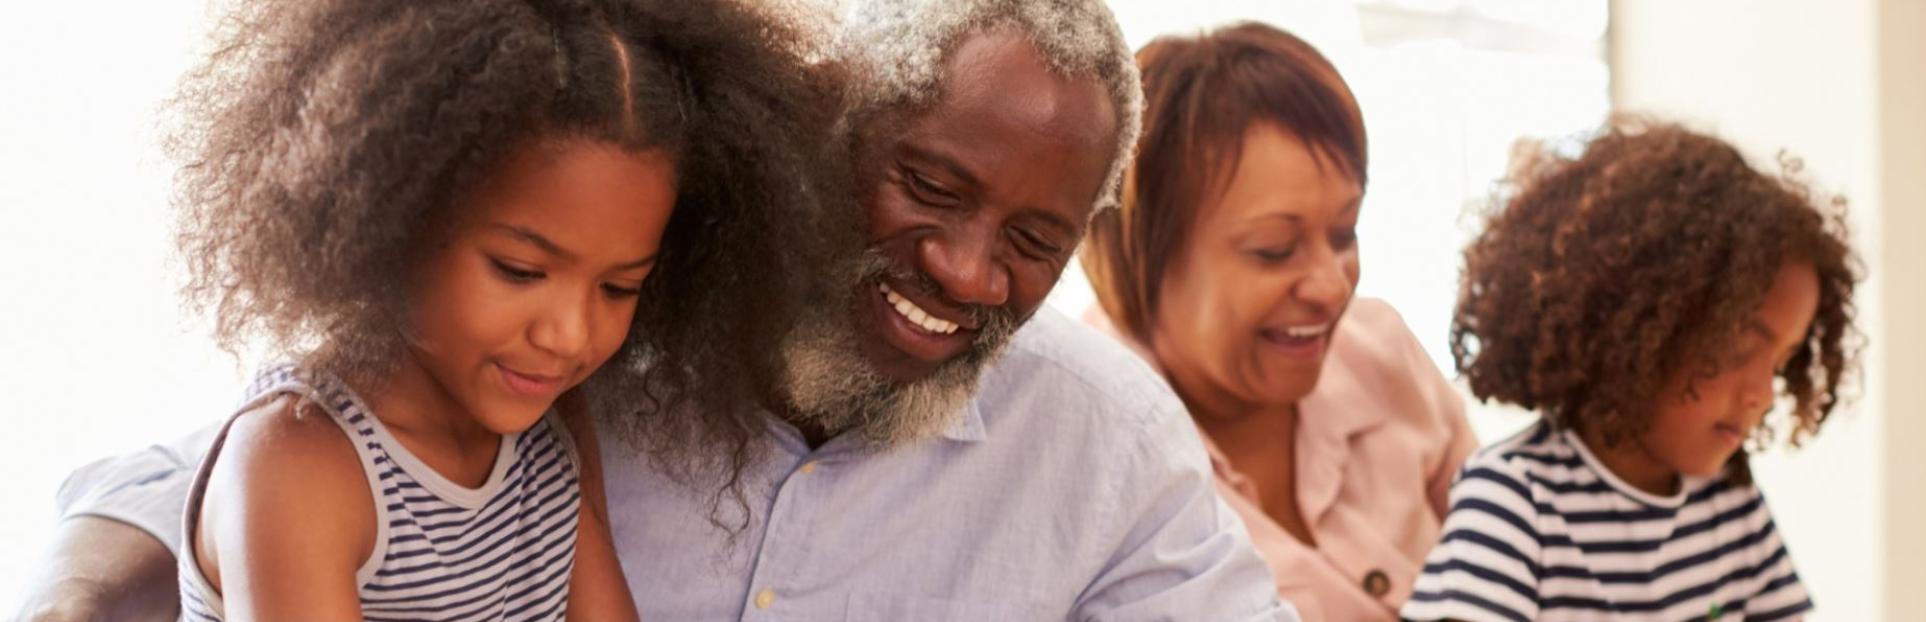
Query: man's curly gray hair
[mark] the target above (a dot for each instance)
(897, 49)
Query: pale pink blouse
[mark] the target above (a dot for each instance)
(1378, 442)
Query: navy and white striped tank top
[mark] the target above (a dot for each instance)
(503, 551)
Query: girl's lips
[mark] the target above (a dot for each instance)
(1730, 434)
(530, 385)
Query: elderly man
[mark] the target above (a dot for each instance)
(941, 449)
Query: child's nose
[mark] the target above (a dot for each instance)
(563, 330)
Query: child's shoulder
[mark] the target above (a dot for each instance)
(1512, 466)
(289, 429)
(287, 452)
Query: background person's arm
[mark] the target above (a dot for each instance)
(597, 589)
(103, 569)
(113, 556)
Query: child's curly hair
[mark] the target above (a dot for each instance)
(326, 143)
(1603, 275)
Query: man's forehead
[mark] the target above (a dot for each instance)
(999, 77)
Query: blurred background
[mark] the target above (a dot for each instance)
(97, 358)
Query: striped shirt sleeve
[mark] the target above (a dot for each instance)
(1486, 565)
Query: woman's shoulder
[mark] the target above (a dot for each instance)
(1377, 364)
(1372, 331)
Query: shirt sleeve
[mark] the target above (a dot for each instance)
(1486, 565)
(1184, 555)
(146, 489)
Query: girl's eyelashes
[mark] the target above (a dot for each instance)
(515, 274)
(621, 291)
(521, 276)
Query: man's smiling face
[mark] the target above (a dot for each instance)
(975, 204)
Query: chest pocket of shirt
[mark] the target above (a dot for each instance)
(875, 607)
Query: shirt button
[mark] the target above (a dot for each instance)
(1377, 584)
(764, 599)
(809, 467)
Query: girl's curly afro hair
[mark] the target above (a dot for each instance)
(326, 142)
(1601, 276)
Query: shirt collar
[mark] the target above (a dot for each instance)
(967, 427)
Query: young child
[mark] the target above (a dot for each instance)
(1654, 298)
(449, 214)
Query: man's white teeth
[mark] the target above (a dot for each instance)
(1306, 332)
(916, 315)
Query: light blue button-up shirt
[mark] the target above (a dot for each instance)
(1073, 487)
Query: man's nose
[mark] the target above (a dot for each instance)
(963, 262)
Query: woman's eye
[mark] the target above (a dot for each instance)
(515, 274)
(928, 191)
(1273, 255)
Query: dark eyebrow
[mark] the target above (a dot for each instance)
(530, 236)
(1056, 222)
(639, 263)
(935, 156)
(949, 164)
(1292, 218)
(548, 246)
(1754, 326)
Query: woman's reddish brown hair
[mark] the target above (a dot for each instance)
(1202, 94)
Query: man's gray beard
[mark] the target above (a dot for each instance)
(832, 386)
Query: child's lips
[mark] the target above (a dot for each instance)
(531, 385)
(1729, 433)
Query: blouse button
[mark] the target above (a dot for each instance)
(1377, 584)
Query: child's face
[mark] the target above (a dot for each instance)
(538, 281)
(1696, 431)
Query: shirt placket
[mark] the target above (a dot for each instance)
(785, 542)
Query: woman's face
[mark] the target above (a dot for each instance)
(537, 282)
(1250, 303)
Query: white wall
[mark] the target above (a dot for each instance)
(95, 355)
(1902, 131)
(1818, 79)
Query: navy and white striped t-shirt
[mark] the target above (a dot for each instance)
(1540, 530)
(443, 551)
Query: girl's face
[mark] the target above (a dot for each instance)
(1247, 311)
(1696, 430)
(537, 282)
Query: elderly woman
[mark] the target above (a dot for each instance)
(1232, 265)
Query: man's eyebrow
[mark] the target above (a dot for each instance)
(938, 157)
(1055, 222)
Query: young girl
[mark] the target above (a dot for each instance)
(447, 213)
(1654, 299)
